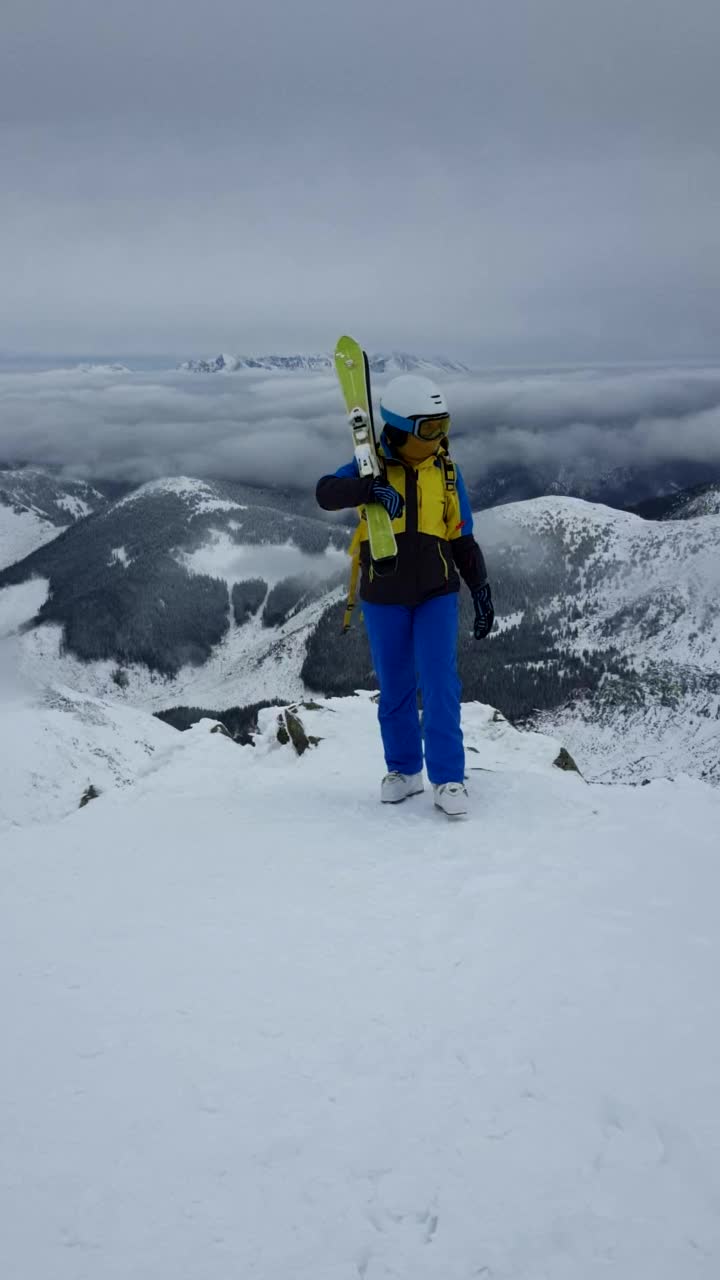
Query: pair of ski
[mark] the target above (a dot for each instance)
(353, 371)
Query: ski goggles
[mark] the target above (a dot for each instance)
(430, 426)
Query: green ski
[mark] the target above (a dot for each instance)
(351, 364)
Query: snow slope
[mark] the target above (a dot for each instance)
(56, 741)
(630, 578)
(35, 506)
(251, 664)
(257, 1025)
(647, 593)
(701, 504)
(699, 500)
(112, 578)
(22, 532)
(58, 745)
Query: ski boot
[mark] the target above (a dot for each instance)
(451, 797)
(398, 786)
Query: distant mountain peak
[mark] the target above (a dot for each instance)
(388, 362)
(403, 362)
(105, 369)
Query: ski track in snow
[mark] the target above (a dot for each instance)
(257, 1025)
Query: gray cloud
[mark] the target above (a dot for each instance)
(286, 430)
(520, 181)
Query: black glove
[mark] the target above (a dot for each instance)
(484, 612)
(388, 497)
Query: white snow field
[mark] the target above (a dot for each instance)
(256, 1025)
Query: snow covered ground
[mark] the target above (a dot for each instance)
(257, 1025)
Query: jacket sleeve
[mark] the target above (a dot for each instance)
(469, 559)
(343, 489)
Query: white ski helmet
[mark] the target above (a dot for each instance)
(411, 402)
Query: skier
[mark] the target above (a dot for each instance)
(411, 615)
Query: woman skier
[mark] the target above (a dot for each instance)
(411, 615)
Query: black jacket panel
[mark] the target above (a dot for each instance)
(425, 568)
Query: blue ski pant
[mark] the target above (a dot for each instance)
(414, 647)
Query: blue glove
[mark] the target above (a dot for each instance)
(484, 612)
(388, 497)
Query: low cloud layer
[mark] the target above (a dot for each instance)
(285, 430)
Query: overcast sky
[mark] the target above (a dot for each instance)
(510, 180)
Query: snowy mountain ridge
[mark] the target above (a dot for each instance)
(100, 369)
(647, 488)
(637, 603)
(51, 497)
(160, 577)
(35, 506)
(59, 741)
(700, 500)
(394, 362)
(189, 593)
(199, 495)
